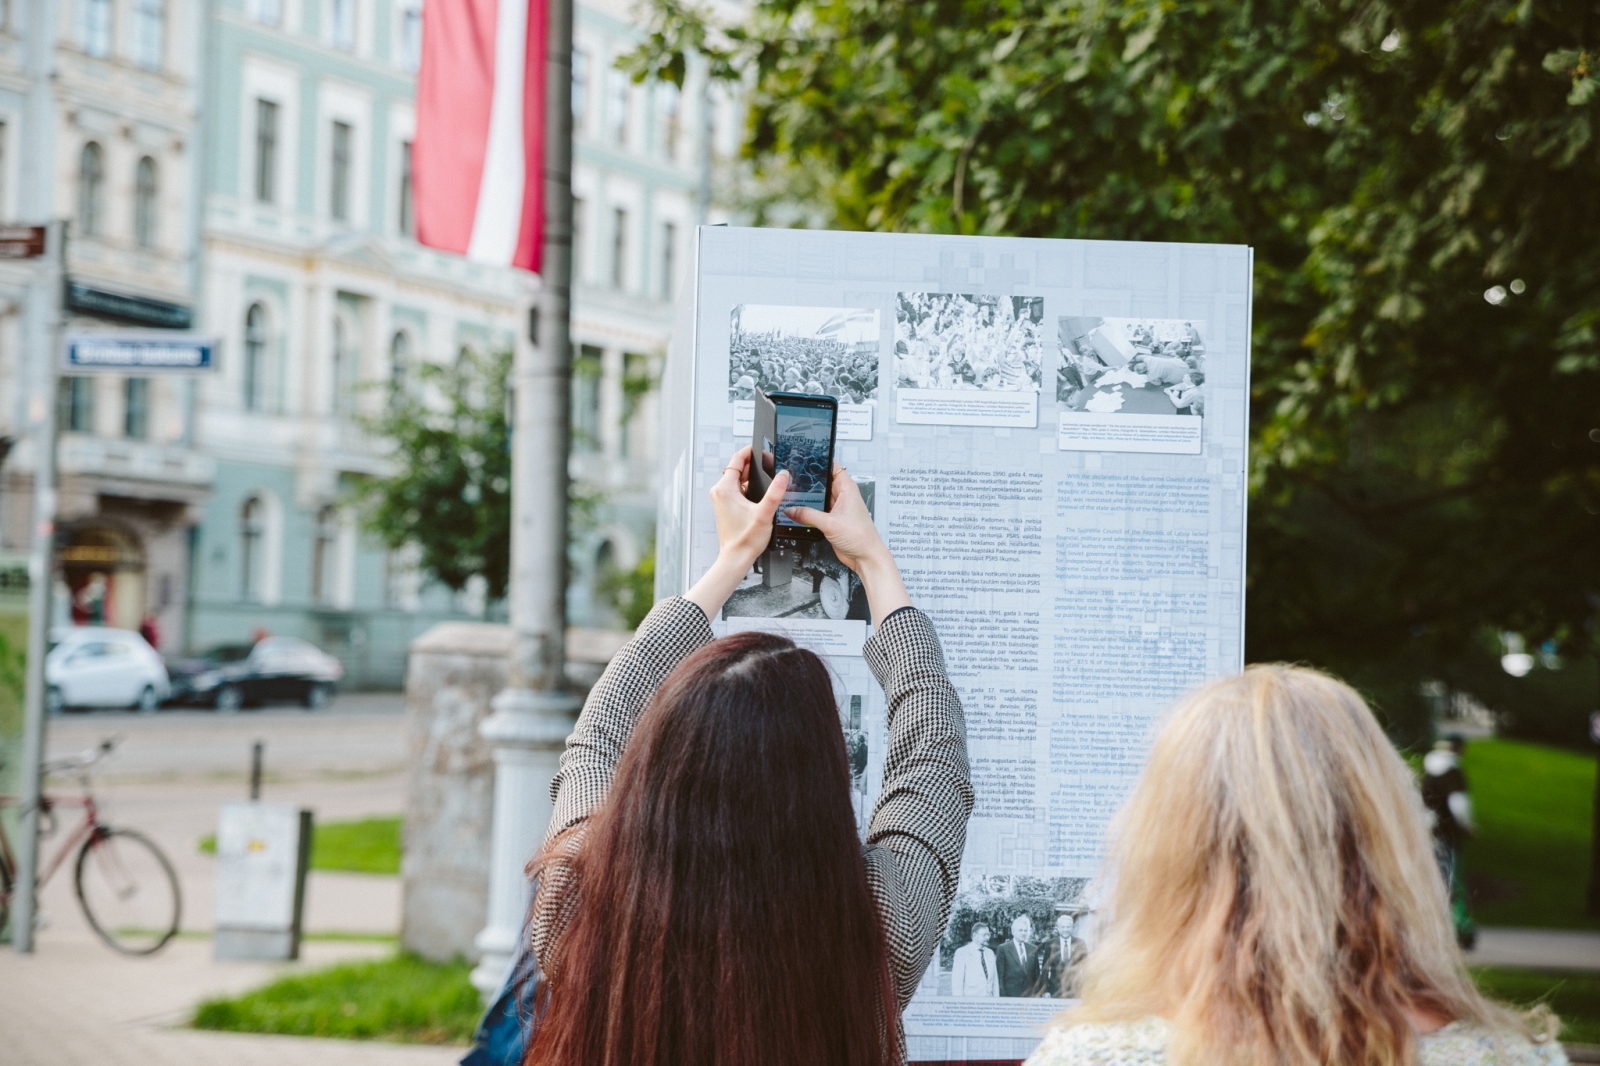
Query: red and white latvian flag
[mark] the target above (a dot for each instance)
(477, 160)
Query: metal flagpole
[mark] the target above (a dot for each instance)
(42, 328)
(43, 322)
(534, 714)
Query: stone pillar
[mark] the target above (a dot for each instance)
(456, 756)
(454, 672)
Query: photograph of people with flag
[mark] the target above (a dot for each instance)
(822, 351)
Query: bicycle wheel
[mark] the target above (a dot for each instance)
(5, 891)
(128, 891)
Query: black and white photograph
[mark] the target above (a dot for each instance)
(956, 341)
(820, 351)
(857, 747)
(1011, 936)
(1132, 366)
(803, 579)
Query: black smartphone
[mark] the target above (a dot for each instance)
(794, 432)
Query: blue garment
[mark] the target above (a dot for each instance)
(501, 1038)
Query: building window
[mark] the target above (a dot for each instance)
(5, 146)
(339, 192)
(144, 203)
(94, 27)
(619, 247)
(399, 367)
(255, 357)
(586, 377)
(91, 189)
(149, 33)
(252, 523)
(605, 572)
(411, 39)
(617, 107)
(637, 382)
(580, 89)
(344, 25)
(669, 255)
(76, 409)
(408, 220)
(269, 12)
(346, 363)
(578, 230)
(668, 101)
(266, 151)
(136, 408)
(324, 550)
(340, 357)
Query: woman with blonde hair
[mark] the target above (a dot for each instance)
(1273, 901)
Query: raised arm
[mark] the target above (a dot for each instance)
(919, 826)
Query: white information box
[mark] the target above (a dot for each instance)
(1052, 437)
(263, 850)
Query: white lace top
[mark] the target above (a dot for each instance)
(1144, 1043)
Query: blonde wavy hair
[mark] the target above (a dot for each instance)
(1273, 891)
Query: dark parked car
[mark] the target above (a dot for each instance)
(273, 670)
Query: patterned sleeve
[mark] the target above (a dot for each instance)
(919, 826)
(673, 630)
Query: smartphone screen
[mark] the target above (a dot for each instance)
(804, 447)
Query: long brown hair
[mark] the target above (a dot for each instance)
(724, 915)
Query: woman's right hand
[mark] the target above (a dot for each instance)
(850, 529)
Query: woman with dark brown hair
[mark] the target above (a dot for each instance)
(704, 899)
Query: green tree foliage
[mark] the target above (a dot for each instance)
(631, 592)
(449, 492)
(1418, 182)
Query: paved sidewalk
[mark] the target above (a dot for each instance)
(77, 1003)
(1543, 949)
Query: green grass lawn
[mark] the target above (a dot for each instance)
(1575, 997)
(368, 846)
(1529, 865)
(402, 998)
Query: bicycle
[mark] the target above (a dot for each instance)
(125, 885)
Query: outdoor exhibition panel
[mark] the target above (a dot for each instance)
(1051, 436)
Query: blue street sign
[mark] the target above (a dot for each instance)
(139, 353)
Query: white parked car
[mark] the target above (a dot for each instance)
(96, 666)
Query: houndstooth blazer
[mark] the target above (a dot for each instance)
(918, 827)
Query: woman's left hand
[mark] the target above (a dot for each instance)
(744, 529)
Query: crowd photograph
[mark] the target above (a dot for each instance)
(1147, 366)
(960, 341)
(819, 351)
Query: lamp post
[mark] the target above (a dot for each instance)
(534, 714)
